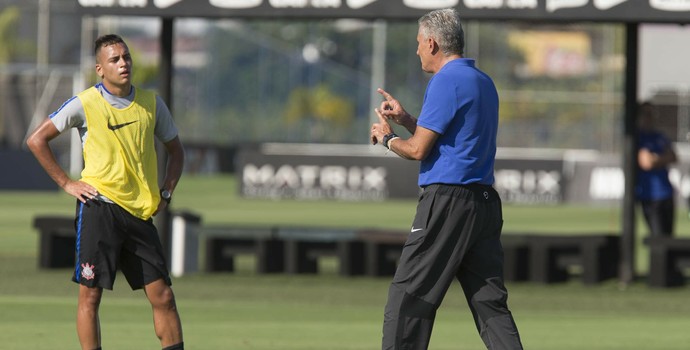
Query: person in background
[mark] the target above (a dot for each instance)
(653, 189)
(118, 191)
(456, 231)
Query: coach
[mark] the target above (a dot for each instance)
(457, 227)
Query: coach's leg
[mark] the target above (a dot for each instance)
(166, 320)
(481, 277)
(409, 318)
(88, 325)
(427, 267)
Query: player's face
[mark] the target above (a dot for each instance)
(645, 118)
(114, 66)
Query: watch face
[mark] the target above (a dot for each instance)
(166, 194)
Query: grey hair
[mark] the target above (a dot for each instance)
(445, 28)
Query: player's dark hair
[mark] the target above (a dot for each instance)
(646, 108)
(106, 40)
(445, 28)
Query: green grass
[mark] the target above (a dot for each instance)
(243, 310)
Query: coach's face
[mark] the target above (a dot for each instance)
(425, 49)
(114, 66)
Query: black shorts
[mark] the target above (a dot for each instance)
(108, 238)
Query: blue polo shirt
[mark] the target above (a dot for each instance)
(653, 184)
(461, 105)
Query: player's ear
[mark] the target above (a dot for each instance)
(99, 70)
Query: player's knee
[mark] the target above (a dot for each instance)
(90, 297)
(164, 299)
(168, 298)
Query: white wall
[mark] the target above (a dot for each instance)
(664, 59)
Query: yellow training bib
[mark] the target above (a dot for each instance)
(119, 152)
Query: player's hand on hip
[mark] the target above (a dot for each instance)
(161, 205)
(80, 190)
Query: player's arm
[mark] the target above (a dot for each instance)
(668, 157)
(649, 160)
(173, 169)
(39, 145)
(167, 133)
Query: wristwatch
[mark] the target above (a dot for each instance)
(166, 195)
(387, 138)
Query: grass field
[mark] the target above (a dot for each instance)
(243, 310)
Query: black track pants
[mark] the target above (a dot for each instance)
(455, 235)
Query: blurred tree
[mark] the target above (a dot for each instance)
(260, 80)
(144, 74)
(9, 17)
(322, 110)
(13, 114)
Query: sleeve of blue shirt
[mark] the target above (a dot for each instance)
(440, 104)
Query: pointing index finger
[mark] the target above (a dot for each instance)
(385, 94)
(382, 119)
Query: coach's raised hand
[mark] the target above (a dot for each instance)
(391, 109)
(380, 129)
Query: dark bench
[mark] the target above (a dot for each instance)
(550, 256)
(290, 250)
(668, 257)
(535, 257)
(515, 257)
(57, 241)
(224, 243)
(382, 250)
(304, 246)
(540, 258)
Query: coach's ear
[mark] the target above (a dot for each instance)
(433, 45)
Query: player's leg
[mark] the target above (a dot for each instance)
(97, 249)
(143, 264)
(667, 211)
(88, 324)
(653, 216)
(166, 320)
